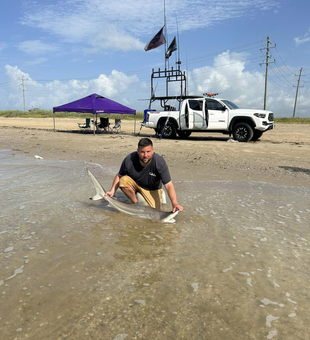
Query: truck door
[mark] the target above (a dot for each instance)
(218, 115)
(196, 116)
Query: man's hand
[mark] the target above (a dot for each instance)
(110, 193)
(115, 183)
(177, 207)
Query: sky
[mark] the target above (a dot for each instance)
(53, 52)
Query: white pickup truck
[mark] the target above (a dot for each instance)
(208, 114)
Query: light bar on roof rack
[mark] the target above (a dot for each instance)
(211, 95)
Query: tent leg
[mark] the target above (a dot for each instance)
(94, 124)
(54, 120)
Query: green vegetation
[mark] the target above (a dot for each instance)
(285, 120)
(37, 113)
(49, 114)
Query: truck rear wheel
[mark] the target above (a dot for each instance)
(184, 134)
(242, 132)
(169, 130)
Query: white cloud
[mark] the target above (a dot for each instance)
(54, 93)
(14, 73)
(36, 47)
(299, 41)
(306, 38)
(120, 25)
(227, 76)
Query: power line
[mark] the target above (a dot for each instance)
(9, 82)
(210, 55)
(277, 108)
(273, 70)
(283, 74)
(283, 60)
(273, 81)
(301, 103)
(200, 59)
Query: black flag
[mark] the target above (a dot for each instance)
(171, 48)
(158, 40)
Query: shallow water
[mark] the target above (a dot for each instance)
(234, 266)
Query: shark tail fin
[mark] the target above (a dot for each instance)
(170, 218)
(100, 192)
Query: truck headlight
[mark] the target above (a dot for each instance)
(260, 115)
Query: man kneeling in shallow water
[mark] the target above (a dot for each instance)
(143, 172)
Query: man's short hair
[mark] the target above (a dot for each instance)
(145, 142)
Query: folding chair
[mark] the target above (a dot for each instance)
(86, 125)
(104, 124)
(117, 126)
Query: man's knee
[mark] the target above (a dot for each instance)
(123, 181)
(127, 182)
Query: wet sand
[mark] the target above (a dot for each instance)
(234, 266)
(282, 156)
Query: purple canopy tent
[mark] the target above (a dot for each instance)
(96, 105)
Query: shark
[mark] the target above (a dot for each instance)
(135, 210)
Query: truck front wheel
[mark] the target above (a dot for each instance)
(169, 130)
(257, 134)
(242, 132)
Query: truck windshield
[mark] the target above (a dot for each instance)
(230, 104)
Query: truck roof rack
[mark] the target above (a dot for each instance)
(164, 100)
(170, 75)
(176, 97)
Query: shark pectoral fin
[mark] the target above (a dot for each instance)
(96, 197)
(163, 198)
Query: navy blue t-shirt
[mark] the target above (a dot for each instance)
(149, 177)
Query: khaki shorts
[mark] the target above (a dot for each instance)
(152, 197)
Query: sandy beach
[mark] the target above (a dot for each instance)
(235, 265)
(282, 156)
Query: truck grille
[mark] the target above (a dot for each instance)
(270, 117)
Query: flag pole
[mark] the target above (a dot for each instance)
(165, 33)
(176, 18)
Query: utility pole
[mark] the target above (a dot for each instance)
(23, 88)
(297, 91)
(267, 64)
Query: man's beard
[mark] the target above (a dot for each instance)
(147, 160)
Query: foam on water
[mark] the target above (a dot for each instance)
(235, 265)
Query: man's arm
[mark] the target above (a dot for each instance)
(173, 196)
(115, 185)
